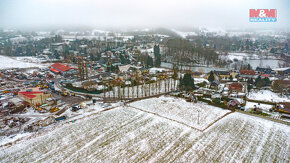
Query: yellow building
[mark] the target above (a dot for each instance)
(219, 75)
(34, 96)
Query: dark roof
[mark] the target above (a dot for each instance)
(143, 69)
(222, 72)
(264, 70)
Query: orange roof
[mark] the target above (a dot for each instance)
(247, 72)
(61, 67)
(236, 86)
(54, 70)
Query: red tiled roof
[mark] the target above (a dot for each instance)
(265, 75)
(236, 86)
(30, 94)
(54, 70)
(247, 72)
(61, 67)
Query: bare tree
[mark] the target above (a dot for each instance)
(132, 84)
(124, 86)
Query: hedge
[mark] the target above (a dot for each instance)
(70, 87)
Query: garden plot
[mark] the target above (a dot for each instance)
(180, 110)
(251, 105)
(267, 95)
(128, 135)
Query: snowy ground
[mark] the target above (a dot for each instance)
(238, 56)
(180, 110)
(29, 59)
(251, 105)
(7, 62)
(86, 110)
(125, 134)
(200, 80)
(267, 95)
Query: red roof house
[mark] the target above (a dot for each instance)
(33, 96)
(60, 68)
(247, 72)
(236, 87)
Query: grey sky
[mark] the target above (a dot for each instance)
(139, 13)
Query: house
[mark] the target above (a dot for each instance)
(34, 96)
(127, 68)
(247, 73)
(264, 70)
(265, 75)
(236, 87)
(196, 74)
(223, 74)
(214, 84)
(63, 69)
(218, 75)
(283, 71)
(15, 102)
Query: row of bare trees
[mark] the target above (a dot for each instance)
(140, 87)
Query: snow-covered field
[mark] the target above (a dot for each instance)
(7, 62)
(180, 110)
(125, 134)
(238, 56)
(267, 95)
(29, 59)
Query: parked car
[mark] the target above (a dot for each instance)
(76, 108)
(60, 118)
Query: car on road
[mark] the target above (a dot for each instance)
(76, 108)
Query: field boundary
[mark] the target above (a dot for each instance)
(264, 117)
(187, 125)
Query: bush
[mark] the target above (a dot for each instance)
(217, 101)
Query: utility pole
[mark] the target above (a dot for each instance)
(198, 116)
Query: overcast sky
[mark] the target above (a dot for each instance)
(226, 14)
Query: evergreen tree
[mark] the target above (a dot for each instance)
(124, 60)
(188, 82)
(250, 87)
(267, 81)
(258, 80)
(211, 77)
(231, 78)
(56, 54)
(250, 81)
(249, 67)
(180, 83)
(149, 62)
(157, 55)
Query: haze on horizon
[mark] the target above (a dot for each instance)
(227, 14)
